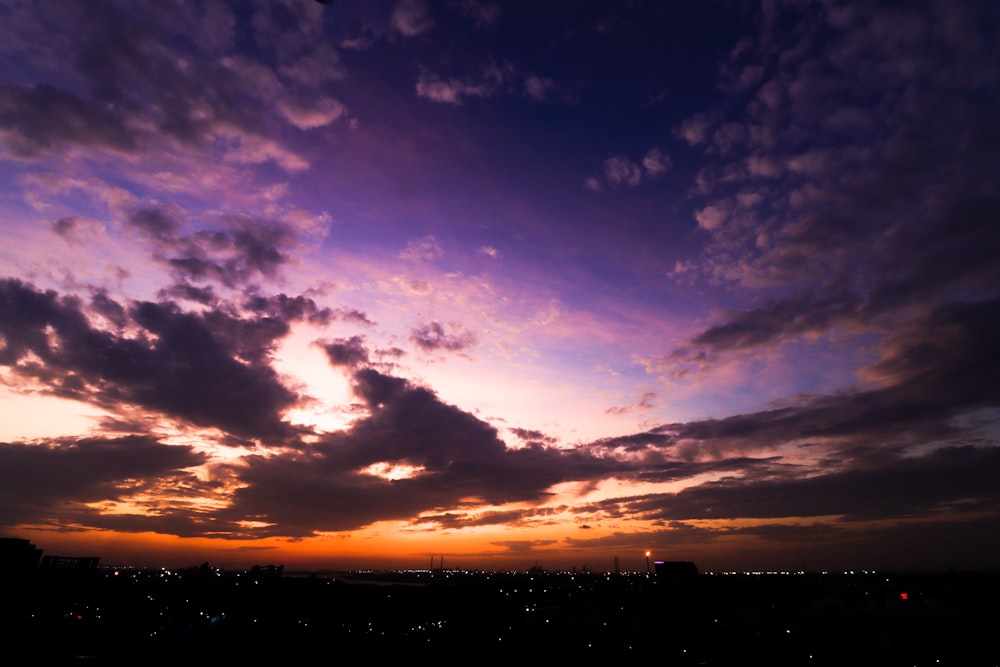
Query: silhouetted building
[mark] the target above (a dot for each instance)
(678, 570)
(267, 571)
(69, 564)
(18, 555)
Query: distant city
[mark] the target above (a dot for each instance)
(61, 610)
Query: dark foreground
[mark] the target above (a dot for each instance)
(202, 615)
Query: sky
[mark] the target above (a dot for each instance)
(495, 284)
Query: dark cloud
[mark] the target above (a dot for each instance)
(969, 543)
(458, 459)
(932, 372)
(657, 438)
(923, 265)
(434, 336)
(39, 119)
(290, 309)
(352, 315)
(532, 436)
(39, 482)
(458, 521)
(240, 250)
(852, 224)
(259, 244)
(948, 480)
(670, 471)
(646, 401)
(246, 249)
(918, 443)
(125, 89)
(113, 311)
(350, 352)
(944, 360)
(65, 226)
(210, 370)
(188, 292)
(778, 320)
(482, 14)
(528, 547)
(390, 353)
(154, 223)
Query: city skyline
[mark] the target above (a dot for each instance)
(360, 283)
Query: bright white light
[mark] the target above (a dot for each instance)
(392, 471)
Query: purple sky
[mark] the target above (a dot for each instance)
(329, 283)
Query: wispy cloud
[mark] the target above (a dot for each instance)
(411, 18)
(620, 171)
(434, 336)
(425, 248)
(490, 80)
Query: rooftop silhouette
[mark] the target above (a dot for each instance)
(113, 614)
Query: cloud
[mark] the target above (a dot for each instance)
(310, 115)
(352, 315)
(533, 436)
(655, 163)
(537, 88)
(209, 370)
(244, 249)
(434, 337)
(712, 216)
(154, 223)
(621, 171)
(289, 308)
(905, 274)
(109, 309)
(188, 292)
(953, 479)
(695, 130)
(77, 230)
(654, 439)
(41, 480)
(764, 166)
(306, 222)
(932, 385)
(425, 248)
(411, 18)
(837, 188)
(646, 401)
(520, 518)
(778, 319)
(482, 14)
(446, 92)
(457, 455)
(964, 543)
(139, 98)
(729, 137)
(38, 120)
(452, 91)
(864, 436)
(351, 352)
(251, 149)
(490, 80)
